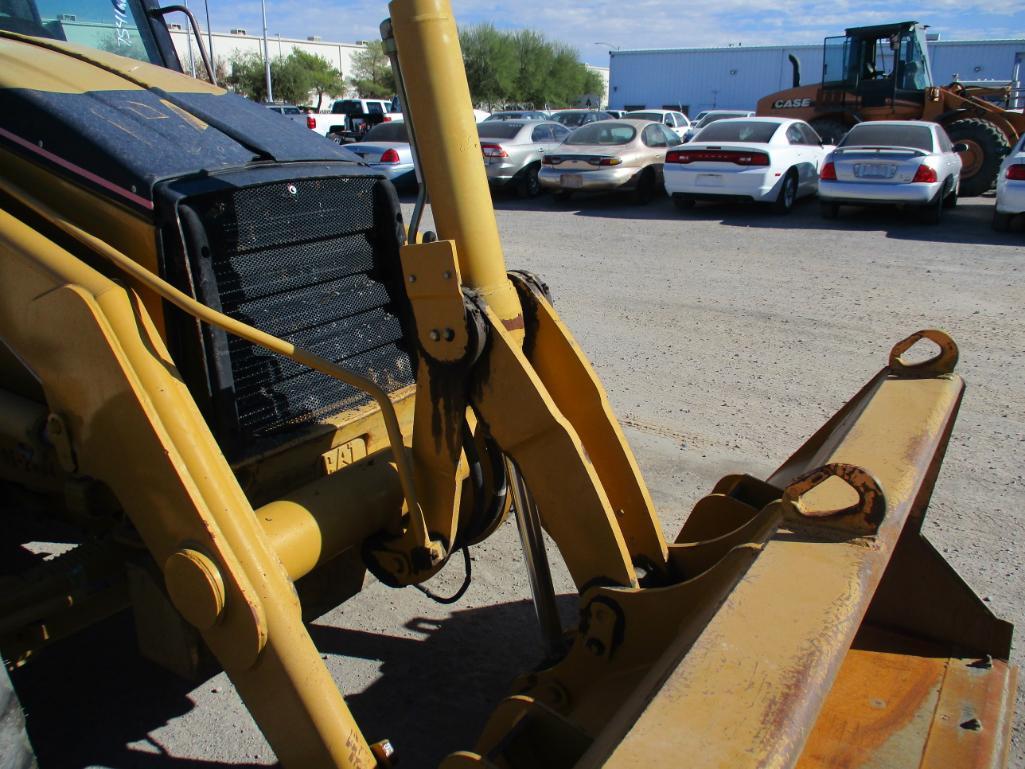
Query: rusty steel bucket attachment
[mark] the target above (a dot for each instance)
(807, 622)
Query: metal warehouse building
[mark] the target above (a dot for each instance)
(736, 77)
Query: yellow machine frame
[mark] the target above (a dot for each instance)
(744, 642)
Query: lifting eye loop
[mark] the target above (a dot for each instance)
(871, 504)
(942, 362)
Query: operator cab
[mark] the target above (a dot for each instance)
(132, 28)
(880, 63)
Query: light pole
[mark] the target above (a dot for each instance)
(209, 34)
(610, 46)
(266, 52)
(192, 56)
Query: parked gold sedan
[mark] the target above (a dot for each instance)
(609, 155)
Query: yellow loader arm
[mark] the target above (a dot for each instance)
(797, 621)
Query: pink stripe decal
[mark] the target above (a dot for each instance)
(108, 185)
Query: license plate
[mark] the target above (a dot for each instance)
(573, 181)
(709, 180)
(874, 170)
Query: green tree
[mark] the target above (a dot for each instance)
(523, 68)
(247, 76)
(371, 72)
(292, 77)
(324, 78)
(489, 57)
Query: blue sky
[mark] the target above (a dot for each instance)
(637, 23)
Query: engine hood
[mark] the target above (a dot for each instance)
(123, 126)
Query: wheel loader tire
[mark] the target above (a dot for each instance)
(987, 148)
(15, 750)
(830, 130)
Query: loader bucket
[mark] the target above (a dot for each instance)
(812, 625)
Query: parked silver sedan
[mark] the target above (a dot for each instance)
(385, 148)
(890, 162)
(513, 151)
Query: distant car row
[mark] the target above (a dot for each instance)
(725, 155)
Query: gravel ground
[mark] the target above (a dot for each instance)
(724, 337)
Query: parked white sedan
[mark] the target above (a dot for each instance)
(676, 122)
(1010, 188)
(761, 159)
(890, 162)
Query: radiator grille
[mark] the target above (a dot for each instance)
(313, 261)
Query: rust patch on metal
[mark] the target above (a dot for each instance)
(514, 324)
(880, 707)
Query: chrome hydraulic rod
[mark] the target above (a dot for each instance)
(528, 524)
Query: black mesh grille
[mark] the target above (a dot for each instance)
(313, 261)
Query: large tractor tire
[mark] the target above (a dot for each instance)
(15, 750)
(987, 148)
(830, 129)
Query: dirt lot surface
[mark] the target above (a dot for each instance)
(725, 336)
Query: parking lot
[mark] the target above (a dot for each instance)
(724, 335)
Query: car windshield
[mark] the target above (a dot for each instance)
(874, 135)
(656, 116)
(498, 129)
(388, 132)
(603, 132)
(712, 117)
(738, 131)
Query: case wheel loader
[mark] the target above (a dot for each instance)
(232, 367)
(882, 72)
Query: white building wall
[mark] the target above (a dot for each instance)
(597, 100)
(226, 46)
(736, 78)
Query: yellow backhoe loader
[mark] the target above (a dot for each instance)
(227, 360)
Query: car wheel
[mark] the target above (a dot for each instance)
(645, 189)
(787, 196)
(683, 203)
(528, 185)
(829, 210)
(1001, 221)
(933, 211)
(562, 195)
(951, 200)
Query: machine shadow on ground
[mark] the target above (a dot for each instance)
(87, 699)
(435, 694)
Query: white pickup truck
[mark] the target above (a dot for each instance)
(349, 119)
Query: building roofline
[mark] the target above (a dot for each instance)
(274, 38)
(798, 46)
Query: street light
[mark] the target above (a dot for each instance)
(608, 45)
(266, 52)
(209, 35)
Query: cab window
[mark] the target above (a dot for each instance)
(112, 26)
